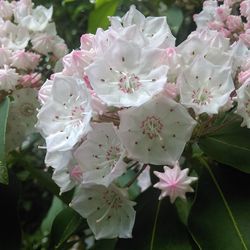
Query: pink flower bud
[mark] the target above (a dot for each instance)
(244, 76)
(234, 23)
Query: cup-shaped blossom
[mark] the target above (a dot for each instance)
(38, 19)
(108, 211)
(174, 182)
(101, 155)
(64, 118)
(156, 132)
(243, 99)
(127, 75)
(6, 10)
(154, 29)
(205, 87)
(5, 55)
(14, 36)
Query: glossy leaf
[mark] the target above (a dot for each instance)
(65, 224)
(174, 18)
(220, 218)
(157, 226)
(229, 145)
(98, 18)
(4, 109)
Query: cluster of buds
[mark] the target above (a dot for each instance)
(28, 44)
(229, 17)
(29, 50)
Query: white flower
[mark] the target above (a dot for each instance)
(101, 155)
(8, 78)
(144, 180)
(174, 182)
(155, 29)
(13, 36)
(45, 91)
(46, 41)
(205, 87)
(38, 19)
(6, 9)
(207, 14)
(127, 75)
(209, 44)
(108, 211)
(66, 173)
(75, 63)
(21, 117)
(22, 8)
(64, 119)
(156, 132)
(5, 55)
(243, 99)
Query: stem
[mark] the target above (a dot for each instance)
(154, 227)
(136, 176)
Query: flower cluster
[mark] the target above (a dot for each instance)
(29, 50)
(28, 40)
(130, 99)
(229, 17)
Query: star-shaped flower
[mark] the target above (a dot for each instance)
(174, 182)
(156, 132)
(100, 157)
(108, 211)
(127, 75)
(64, 118)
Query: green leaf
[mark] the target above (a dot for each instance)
(219, 217)
(64, 225)
(157, 226)
(174, 18)
(56, 207)
(4, 109)
(229, 145)
(98, 18)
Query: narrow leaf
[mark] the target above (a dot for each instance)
(65, 224)
(220, 218)
(4, 109)
(98, 18)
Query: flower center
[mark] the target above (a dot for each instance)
(129, 83)
(112, 199)
(152, 127)
(201, 96)
(113, 153)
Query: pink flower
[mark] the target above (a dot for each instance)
(31, 80)
(245, 8)
(234, 23)
(76, 173)
(244, 76)
(25, 60)
(245, 37)
(174, 182)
